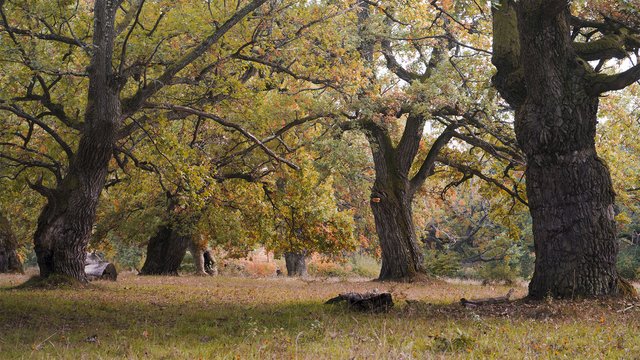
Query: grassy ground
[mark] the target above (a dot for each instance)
(240, 318)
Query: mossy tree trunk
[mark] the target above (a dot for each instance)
(569, 188)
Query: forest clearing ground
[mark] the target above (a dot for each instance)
(226, 317)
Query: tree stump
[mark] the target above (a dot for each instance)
(365, 302)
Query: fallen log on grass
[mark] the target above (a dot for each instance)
(486, 301)
(367, 302)
(97, 268)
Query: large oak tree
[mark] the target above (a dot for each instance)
(542, 54)
(118, 87)
(409, 127)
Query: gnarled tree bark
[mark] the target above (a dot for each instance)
(165, 252)
(551, 88)
(393, 192)
(64, 225)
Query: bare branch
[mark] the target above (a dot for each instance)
(276, 135)
(394, 66)
(123, 54)
(50, 36)
(467, 170)
(135, 102)
(492, 149)
(228, 124)
(31, 163)
(426, 169)
(286, 70)
(22, 114)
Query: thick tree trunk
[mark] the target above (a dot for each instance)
(9, 261)
(165, 252)
(568, 186)
(571, 205)
(197, 252)
(392, 195)
(296, 264)
(65, 223)
(210, 266)
(394, 188)
(401, 256)
(203, 259)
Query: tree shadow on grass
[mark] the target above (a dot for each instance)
(104, 321)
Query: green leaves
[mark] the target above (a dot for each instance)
(306, 216)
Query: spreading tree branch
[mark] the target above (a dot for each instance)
(228, 124)
(601, 83)
(135, 102)
(469, 171)
(426, 168)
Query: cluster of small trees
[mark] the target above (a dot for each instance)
(226, 129)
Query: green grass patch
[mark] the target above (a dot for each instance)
(230, 318)
(55, 281)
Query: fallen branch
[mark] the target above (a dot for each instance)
(367, 302)
(486, 301)
(628, 308)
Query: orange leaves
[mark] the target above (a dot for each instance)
(623, 11)
(446, 4)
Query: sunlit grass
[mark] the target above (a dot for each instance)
(223, 317)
